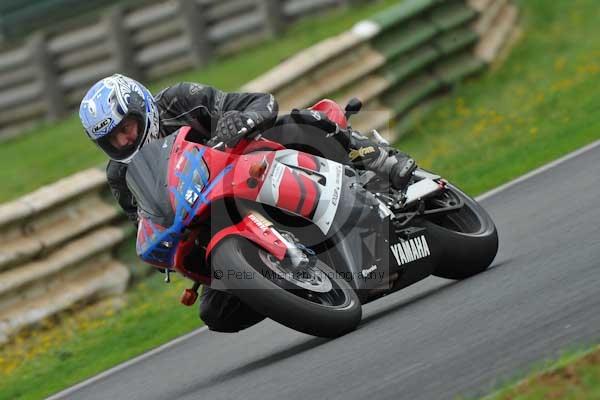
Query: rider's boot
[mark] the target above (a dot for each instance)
(382, 159)
(363, 153)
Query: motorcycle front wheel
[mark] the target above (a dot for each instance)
(316, 301)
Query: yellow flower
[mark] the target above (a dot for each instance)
(590, 69)
(533, 131)
(559, 64)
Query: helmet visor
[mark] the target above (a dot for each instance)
(123, 153)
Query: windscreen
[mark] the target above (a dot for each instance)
(160, 227)
(147, 179)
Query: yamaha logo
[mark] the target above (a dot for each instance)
(410, 250)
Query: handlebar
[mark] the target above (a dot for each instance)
(255, 135)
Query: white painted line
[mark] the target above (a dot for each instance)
(172, 343)
(65, 393)
(538, 171)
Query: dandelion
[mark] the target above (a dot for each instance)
(533, 131)
(590, 69)
(479, 128)
(559, 64)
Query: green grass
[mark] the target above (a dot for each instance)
(540, 104)
(72, 348)
(52, 151)
(574, 376)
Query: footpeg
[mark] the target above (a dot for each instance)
(189, 296)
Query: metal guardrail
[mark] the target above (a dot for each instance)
(57, 242)
(46, 76)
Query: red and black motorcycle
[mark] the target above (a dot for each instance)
(301, 239)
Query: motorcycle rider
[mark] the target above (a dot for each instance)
(120, 115)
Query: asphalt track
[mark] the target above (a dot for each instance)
(438, 339)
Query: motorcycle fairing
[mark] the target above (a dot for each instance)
(333, 111)
(357, 238)
(156, 244)
(162, 220)
(152, 244)
(413, 255)
(288, 184)
(304, 184)
(365, 243)
(163, 217)
(252, 228)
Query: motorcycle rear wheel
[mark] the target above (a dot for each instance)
(467, 239)
(330, 314)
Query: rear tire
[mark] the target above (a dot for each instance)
(468, 239)
(260, 290)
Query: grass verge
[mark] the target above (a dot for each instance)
(72, 347)
(540, 105)
(573, 377)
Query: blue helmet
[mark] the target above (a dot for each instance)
(107, 103)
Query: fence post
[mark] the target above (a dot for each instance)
(119, 41)
(196, 27)
(47, 75)
(274, 16)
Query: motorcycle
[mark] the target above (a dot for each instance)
(301, 239)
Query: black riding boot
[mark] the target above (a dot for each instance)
(308, 130)
(382, 159)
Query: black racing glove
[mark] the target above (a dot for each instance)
(232, 126)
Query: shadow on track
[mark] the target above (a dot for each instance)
(314, 342)
(252, 366)
(404, 303)
(438, 288)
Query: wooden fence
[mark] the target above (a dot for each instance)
(395, 61)
(46, 77)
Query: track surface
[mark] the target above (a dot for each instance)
(437, 339)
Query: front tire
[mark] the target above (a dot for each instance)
(329, 314)
(468, 239)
